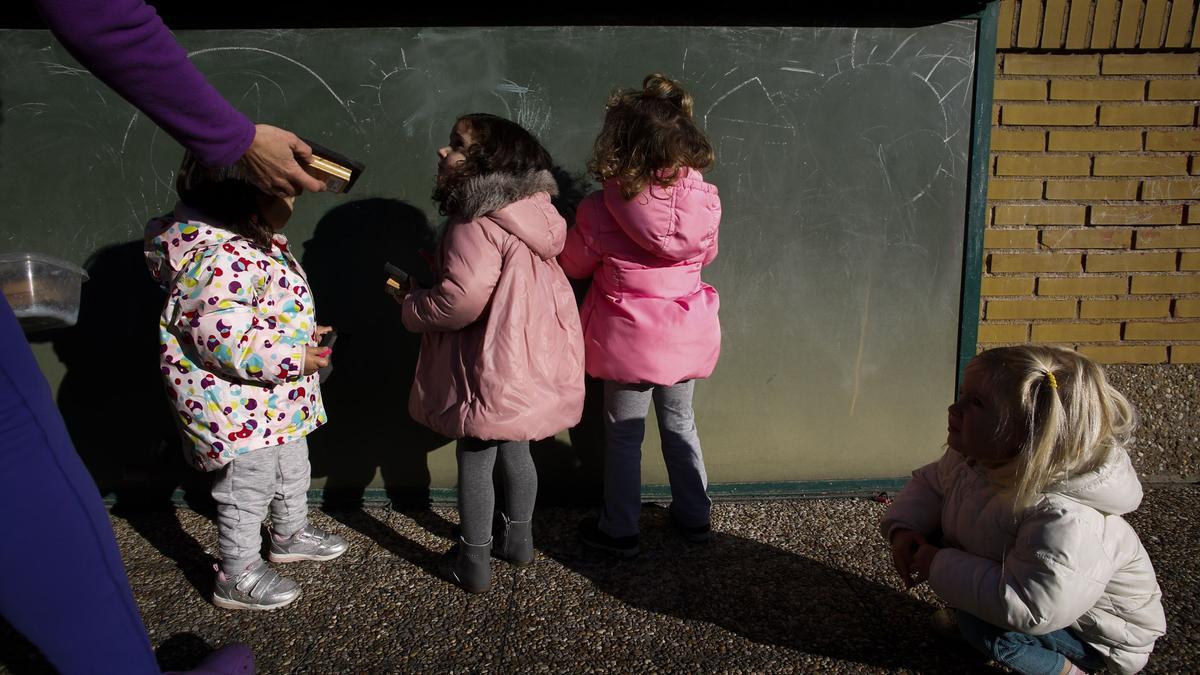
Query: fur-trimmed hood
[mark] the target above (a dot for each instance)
(520, 204)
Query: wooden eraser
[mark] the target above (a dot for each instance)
(338, 172)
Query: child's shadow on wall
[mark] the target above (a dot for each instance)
(115, 408)
(366, 396)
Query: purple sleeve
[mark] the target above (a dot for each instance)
(127, 46)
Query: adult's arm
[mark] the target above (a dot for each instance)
(127, 46)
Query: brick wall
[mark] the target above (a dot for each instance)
(1093, 237)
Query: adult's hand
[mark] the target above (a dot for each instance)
(274, 162)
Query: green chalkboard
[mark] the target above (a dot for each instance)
(842, 160)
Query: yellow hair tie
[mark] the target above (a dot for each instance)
(1050, 378)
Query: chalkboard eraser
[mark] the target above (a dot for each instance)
(396, 276)
(337, 171)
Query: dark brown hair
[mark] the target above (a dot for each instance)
(648, 137)
(497, 146)
(226, 194)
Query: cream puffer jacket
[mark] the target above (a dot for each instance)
(1070, 560)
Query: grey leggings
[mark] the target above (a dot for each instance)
(273, 479)
(476, 494)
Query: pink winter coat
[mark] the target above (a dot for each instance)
(502, 350)
(648, 318)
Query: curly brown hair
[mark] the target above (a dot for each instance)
(497, 146)
(649, 136)
(226, 194)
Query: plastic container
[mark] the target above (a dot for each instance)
(42, 290)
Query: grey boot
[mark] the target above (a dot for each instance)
(514, 542)
(470, 566)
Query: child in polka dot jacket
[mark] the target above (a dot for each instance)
(239, 356)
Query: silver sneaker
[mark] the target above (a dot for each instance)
(258, 588)
(310, 543)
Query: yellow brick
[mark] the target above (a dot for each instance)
(1082, 286)
(1036, 262)
(1077, 25)
(1124, 309)
(995, 114)
(1183, 330)
(1171, 189)
(1142, 115)
(1173, 140)
(1187, 309)
(1007, 139)
(1104, 237)
(1049, 165)
(1138, 166)
(1091, 189)
(1131, 262)
(1150, 64)
(1057, 115)
(1004, 26)
(1153, 24)
(1174, 90)
(1179, 26)
(1095, 140)
(1127, 26)
(1196, 166)
(1169, 237)
(1039, 214)
(1019, 90)
(1165, 214)
(1172, 284)
(1027, 23)
(1097, 90)
(1006, 286)
(1104, 26)
(1185, 353)
(1010, 239)
(1052, 64)
(999, 188)
(992, 333)
(1052, 23)
(1189, 262)
(1193, 214)
(1031, 309)
(1076, 332)
(1126, 354)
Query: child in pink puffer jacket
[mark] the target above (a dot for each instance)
(650, 323)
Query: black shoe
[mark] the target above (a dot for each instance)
(698, 534)
(592, 535)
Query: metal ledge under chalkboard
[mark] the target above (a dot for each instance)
(811, 489)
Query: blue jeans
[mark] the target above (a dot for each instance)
(1028, 654)
(625, 409)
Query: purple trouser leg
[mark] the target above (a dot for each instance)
(62, 583)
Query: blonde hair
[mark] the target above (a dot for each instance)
(649, 137)
(1060, 408)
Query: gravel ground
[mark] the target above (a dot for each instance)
(788, 586)
(1167, 444)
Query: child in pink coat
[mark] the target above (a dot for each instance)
(650, 323)
(501, 350)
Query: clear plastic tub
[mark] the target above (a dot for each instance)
(42, 290)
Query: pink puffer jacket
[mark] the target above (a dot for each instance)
(502, 350)
(648, 317)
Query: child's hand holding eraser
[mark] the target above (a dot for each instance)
(398, 283)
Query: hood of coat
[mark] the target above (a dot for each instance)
(519, 204)
(676, 223)
(1112, 488)
(171, 239)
